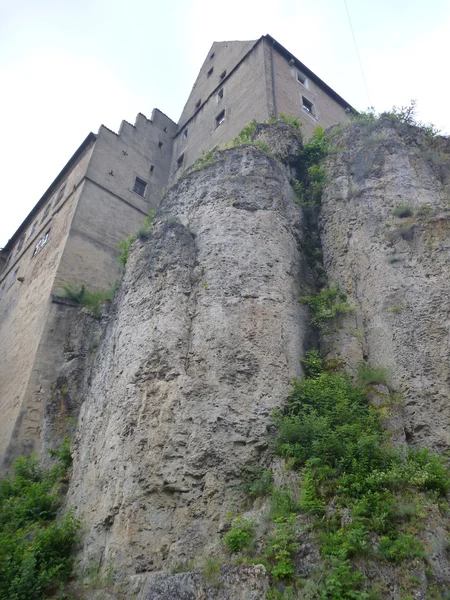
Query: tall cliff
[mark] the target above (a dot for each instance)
(207, 333)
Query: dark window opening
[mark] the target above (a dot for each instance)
(220, 94)
(223, 74)
(220, 118)
(33, 229)
(165, 128)
(180, 161)
(197, 104)
(152, 168)
(160, 144)
(140, 186)
(212, 56)
(46, 211)
(60, 194)
(301, 78)
(185, 132)
(308, 106)
(210, 72)
(20, 244)
(41, 243)
(13, 278)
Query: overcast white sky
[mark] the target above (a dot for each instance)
(67, 67)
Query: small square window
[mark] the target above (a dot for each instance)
(180, 161)
(185, 133)
(197, 104)
(160, 144)
(220, 94)
(140, 186)
(308, 106)
(60, 194)
(152, 168)
(301, 78)
(210, 72)
(223, 75)
(220, 118)
(212, 56)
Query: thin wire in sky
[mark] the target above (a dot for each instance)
(357, 53)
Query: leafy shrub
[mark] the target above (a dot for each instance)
(340, 582)
(281, 547)
(327, 304)
(257, 481)
(400, 548)
(35, 549)
(403, 210)
(212, 571)
(124, 248)
(288, 119)
(240, 535)
(91, 299)
(282, 503)
(312, 363)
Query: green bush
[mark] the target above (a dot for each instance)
(91, 299)
(327, 304)
(257, 481)
(35, 549)
(280, 548)
(240, 535)
(400, 548)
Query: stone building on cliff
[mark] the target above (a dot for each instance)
(105, 191)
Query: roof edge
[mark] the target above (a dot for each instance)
(288, 55)
(49, 191)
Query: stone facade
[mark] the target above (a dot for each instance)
(104, 193)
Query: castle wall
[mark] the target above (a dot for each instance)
(24, 310)
(244, 98)
(289, 92)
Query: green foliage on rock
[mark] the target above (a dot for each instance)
(90, 299)
(240, 535)
(35, 548)
(142, 233)
(326, 304)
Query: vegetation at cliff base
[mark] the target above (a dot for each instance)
(35, 548)
(363, 498)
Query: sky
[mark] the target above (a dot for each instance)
(68, 67)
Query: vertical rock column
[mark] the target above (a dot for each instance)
(206, 337)
(393, 264)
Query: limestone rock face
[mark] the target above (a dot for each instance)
(205, 337)
(395, 269)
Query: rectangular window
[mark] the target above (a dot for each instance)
(160, 144)
(220, 94)
(308, 106)
(46, 211)
(13, 278)
(210, 72)
(223, 75)
(20, 244)
(301, 78)
(32, 230)
(180, 161)
(197, 104)
(185, 132)
(60, 194)
(212, 56)
(41, 243)
(220, 118)
(152, 168)
(140, 186)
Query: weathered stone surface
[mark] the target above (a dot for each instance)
(394, 270)
(206, 336)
